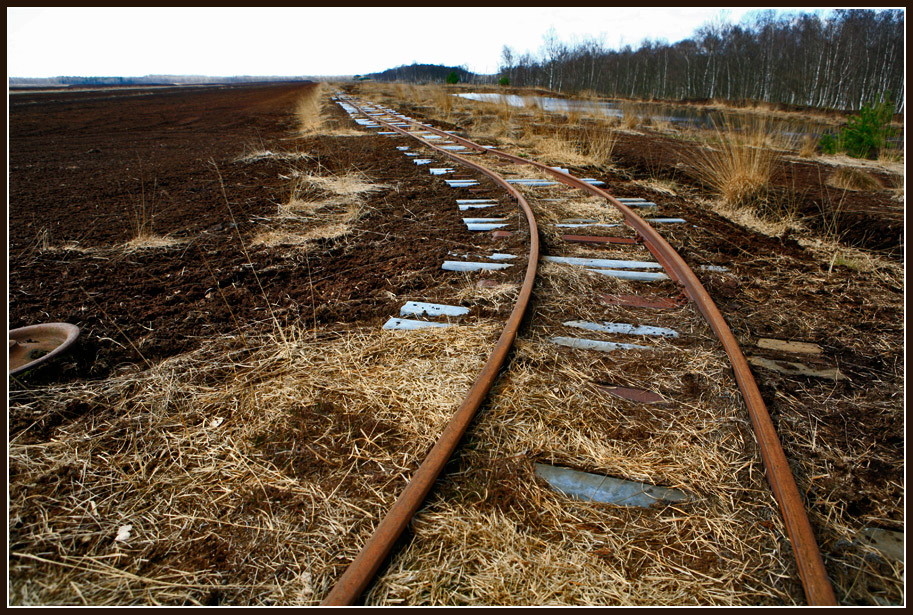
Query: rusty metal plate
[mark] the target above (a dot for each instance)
(597, 240)
(666, 303)
(638, 395)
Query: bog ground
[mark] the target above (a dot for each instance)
(233, 400)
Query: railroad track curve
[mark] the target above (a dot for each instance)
(361, 571)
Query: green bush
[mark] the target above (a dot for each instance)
(867, 133)
(503, 81)
(828, 144)
(453, 77)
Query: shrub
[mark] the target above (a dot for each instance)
(503, 81)
(453, 77)
(865, 134)
(828, 144)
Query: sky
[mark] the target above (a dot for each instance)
(315, 41)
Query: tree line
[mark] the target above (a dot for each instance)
(425, 73)
(841, 59)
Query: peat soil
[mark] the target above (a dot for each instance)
(195, 166)
(88, 169)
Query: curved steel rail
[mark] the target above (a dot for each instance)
(815, 581)
(358, 575)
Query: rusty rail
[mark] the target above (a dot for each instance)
(363, 568)
(813, 575)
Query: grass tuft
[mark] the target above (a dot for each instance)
(738, 164)
(309, 110)
(848, 178)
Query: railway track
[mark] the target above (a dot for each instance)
(668, 265)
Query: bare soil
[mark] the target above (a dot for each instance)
(83, 166)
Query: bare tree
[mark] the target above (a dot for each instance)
(838, 59)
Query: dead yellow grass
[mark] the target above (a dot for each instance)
(664, 186)
(151, 242)
(511, 540)
(309, 110)
(743, 216)
(318, 207)
(808, 147)
(349, 184)
(591, 145)
(258, 154)
(738, 165)
(847, 178)
(241, 473)
(443, 100)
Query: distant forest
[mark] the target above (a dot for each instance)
(427, 73)
(841, 60)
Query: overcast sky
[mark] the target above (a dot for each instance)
(313, 41)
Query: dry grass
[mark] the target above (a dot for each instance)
(891, 156)
(556, 147)
(495, 298)
(309, 110)
(599, 143)
(497, 536)
(887, 271)
(808, 147)
(318, 207)
(443, 100)
(245, 472)
(888, 165)
(846, 178)
(258, 154)
(590, 145)
(752, 219)
(630, 116)
(150, 242)
(664, 186)
(738, 165)
(349, 184)
(589, 207)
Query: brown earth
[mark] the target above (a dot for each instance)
(85, 165)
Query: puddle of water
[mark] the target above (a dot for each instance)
(608, 109)
(674, 115)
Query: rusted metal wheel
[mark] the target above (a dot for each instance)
(33, 345)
